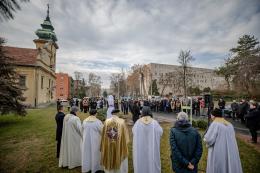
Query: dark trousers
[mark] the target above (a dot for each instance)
(125, 111)
(234, 115)
(58, 148)
(253, 132)
(135, 118)
(197, 112)
(242, 117)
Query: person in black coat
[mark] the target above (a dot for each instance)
(125, 105)
(252, 120)
(59, 121)
(81, 105)
(222, 104)
(93, 104)
(242, 110)
(234, 107)
(135, 111)
(58, 104)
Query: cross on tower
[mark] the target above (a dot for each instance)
(48, 11)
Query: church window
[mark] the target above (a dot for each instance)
(22, 81)
(42, 80)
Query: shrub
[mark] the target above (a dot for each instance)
(194, 124)
(202, 124)
(101, 114)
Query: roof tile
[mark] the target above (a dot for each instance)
(22, 56)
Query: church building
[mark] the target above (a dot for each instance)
(36, 67)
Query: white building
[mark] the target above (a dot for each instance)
(199, 77)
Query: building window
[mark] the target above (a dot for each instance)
(22, 81)
(42, 78)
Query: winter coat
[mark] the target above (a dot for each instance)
(135, 112)
(59, 121)
(221, 104)
(186, 146)
(243, 108)
(234, 107)
(253, 119)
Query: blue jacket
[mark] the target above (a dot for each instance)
(186, 146)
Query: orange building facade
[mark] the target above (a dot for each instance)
(62, 86)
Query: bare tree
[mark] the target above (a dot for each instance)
(77, 82)
(94, 84)
(133, 80)
(118, 83)
(185, 59)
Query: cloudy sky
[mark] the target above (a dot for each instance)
(104, 36)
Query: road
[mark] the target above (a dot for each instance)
(171, 118)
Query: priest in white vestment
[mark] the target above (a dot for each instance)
(111, 106)
(70, 152)
(91, 155)
(223, 154)
(146, 143)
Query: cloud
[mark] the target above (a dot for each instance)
(105, 36)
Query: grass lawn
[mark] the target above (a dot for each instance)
(27, 144)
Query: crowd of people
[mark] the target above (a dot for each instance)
(99, 146)
(248, 113)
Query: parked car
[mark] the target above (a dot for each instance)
(64, 102)
(227, 111)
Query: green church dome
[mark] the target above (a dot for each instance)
(47, 30)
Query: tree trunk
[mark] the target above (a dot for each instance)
(184, 82)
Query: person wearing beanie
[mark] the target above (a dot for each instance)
(223, 154)
(70, 152)
(114, 144)
(186, 146)
(147, 134)
(253, 120)
(91, 130)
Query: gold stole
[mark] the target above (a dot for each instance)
(221, 120)
(146, 119)
(91, 118)
(114, 142)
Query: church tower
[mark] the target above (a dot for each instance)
(46, 43)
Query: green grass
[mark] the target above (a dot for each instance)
(27, 144)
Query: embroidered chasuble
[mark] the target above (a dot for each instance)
(114, 149)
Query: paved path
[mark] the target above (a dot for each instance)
(171, 118)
